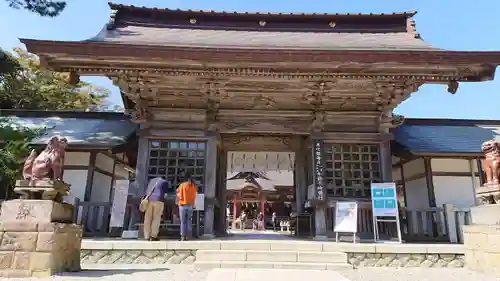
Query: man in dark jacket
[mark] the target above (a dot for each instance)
(152, 217)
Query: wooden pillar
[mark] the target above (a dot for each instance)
(235, 211)
(318, 158)
(262, 204)
(141, 177)
(210, 184)
(386, 161)
(403, 183)
(300, 176)
(221, 192)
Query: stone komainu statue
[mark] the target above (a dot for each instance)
(49, 165)
(491, 162)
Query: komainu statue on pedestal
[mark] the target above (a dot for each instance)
(43, 174)
(490, 191)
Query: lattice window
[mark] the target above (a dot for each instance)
(175, 159)
(350, 169)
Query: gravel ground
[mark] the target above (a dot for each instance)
(189, 274)
(179, 273)
(417, 274)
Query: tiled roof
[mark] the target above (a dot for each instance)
(115, 6)
(246, 30)
(176, 37)
(446, 136)
(80, 128)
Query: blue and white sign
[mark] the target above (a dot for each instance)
(384, 200)
(385, 207)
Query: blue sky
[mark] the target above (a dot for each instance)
(454, 25)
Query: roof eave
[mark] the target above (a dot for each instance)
(434, 154)
(121, 7)
(104, 49)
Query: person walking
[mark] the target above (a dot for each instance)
(186, 196)
(155, 195)
(274, 221)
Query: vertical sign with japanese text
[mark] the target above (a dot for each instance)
(319, 170)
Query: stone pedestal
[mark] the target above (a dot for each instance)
(37, 240)
(488, 194)
(42, 189)
(482, 239)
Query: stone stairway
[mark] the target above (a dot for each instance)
(283, 259)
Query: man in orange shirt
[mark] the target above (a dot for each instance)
(186, 195)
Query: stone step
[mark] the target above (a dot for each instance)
(271, 256)
(207, 265)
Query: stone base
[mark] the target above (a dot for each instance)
(482, 239)
(43, 189)
(32, 249)
(42, 211)
(488, 194)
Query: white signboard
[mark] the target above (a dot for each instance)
(119, 203)
(199, 202)
(385, 207)
(346, 217)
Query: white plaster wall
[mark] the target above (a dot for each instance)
(76, 178)
(100, 192)
(416, 194)
(395, 159)
(450, 165)
(120, 172)
(414, 167)
(104, 162)
(77, 158)
(396, 174)
(101, 187)
(78, 181)
(456, 190)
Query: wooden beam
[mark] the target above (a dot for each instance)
(429, 181)
(90, 176)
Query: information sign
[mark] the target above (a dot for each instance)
(384, 207)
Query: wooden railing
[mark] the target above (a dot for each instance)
(438, 224)
(94, 217)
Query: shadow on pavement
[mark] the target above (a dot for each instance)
(104, 272)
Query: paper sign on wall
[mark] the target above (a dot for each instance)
(119, 203)
(199, 202)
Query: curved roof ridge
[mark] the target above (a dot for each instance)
(407, 14)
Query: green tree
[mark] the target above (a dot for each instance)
(44, 8)
(14, 148)
(8, 64)
(30, 86)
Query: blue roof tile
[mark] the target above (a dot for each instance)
(442, 138)
(104, 131)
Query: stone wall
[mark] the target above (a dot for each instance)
(482, 248)
(405, 260)
(99, 252)
(29, 248)
(482, 239)
(98, 256)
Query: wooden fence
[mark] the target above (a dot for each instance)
(95, 217)
(438, 224)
